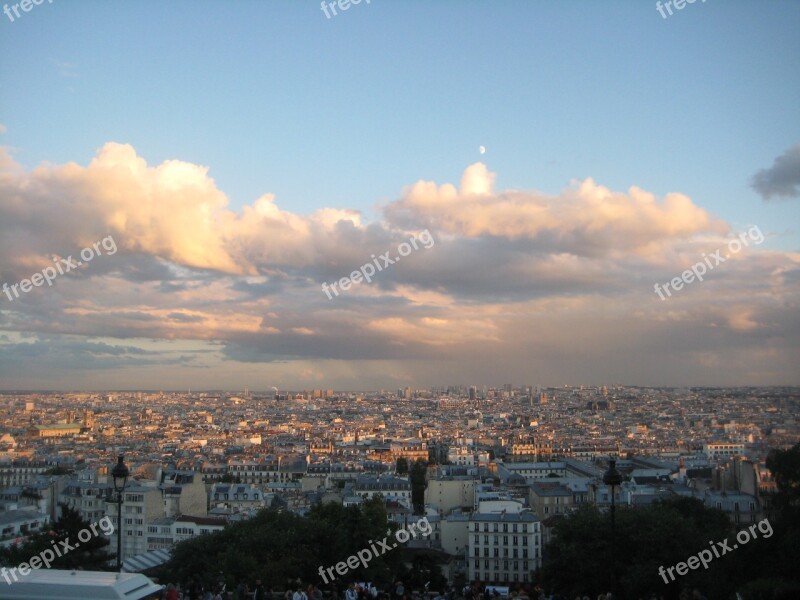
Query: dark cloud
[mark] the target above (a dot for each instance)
(782, 179)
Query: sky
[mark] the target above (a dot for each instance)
(545, 168)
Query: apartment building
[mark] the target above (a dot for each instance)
(389, 486)
(20, 472)
(531, 471)
(184, 493)
(448, 493)
(504, 547)
(18, 523)
(550, 498)
(237, 496)
(87, 497)
(717, 451)
(165, 532)
(141, 505)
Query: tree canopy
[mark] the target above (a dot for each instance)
(91, 555)
(281, 548)
(581, 559)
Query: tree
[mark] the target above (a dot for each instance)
(579, 560)
(68, 532)
(402, 465)
(59, 470)
(279, 546)
(418, 484)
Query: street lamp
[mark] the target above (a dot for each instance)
(613, 478)
(120, 475)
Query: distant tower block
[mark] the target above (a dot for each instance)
(543, 398)
(88, 419)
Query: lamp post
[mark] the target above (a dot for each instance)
(120, 476)
(613, 478)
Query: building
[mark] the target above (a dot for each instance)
(55, 430)
(448, 493)
(238, 496)
(550, 498)
(391, 487)
(504, 547)
(20, 472)
(184, 493)
(142, 504)
(531, 471)
(87, 497)
(17, 524)
(717, 451)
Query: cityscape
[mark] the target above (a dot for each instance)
(399, 300)
(526, 456)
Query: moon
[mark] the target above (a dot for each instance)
(481, 149)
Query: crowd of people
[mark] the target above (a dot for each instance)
(194, 590)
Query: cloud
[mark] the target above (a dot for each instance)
(585, 219)
(782, 179)
(518, 285)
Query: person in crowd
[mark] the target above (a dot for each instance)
(299, 594)
(259, 592)
(399, 590)
(172, 593)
